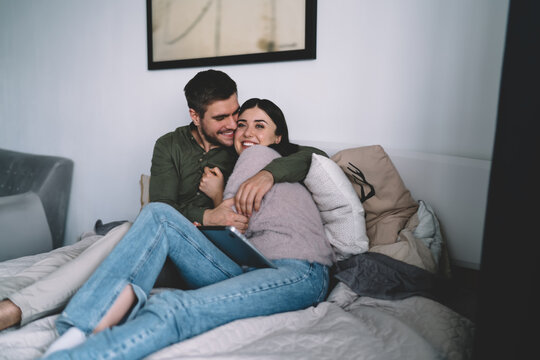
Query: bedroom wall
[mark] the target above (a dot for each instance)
(418, 75)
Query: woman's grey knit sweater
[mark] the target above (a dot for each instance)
(288, 224)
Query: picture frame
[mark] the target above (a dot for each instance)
(198, 33)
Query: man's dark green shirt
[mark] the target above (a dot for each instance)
(178, 163)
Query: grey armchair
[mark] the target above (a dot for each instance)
(34, 198)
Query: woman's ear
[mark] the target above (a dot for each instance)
(195, 117)
(278, 139)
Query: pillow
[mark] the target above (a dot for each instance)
(341, 210)
(388, 204)
(145, 189)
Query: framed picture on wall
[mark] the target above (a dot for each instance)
(195, 33)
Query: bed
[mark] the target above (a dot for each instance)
(381, 305)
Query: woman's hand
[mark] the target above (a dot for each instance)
(212, 184)
(225, 215)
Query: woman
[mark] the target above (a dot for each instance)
(220, 290)
(266, 126)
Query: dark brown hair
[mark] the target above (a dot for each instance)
(285, 147)
(206, 87)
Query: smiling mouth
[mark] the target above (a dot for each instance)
(227, 133)
(246, 144)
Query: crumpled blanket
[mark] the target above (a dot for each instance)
(382, 277)
(17, 273)
(420, 243)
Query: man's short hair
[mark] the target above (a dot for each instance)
(206, 87)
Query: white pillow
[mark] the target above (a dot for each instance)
(340, 208)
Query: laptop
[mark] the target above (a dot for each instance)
(236, 246)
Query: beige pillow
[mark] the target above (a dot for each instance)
(145, 189)
(388, 204)
(341, 210)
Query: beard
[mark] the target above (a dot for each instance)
(212, 139)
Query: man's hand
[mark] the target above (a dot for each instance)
(225, 215)
(252, 191)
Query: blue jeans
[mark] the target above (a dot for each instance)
(220, 290)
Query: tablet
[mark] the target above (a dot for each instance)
(236, 246)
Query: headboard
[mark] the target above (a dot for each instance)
(455, 187)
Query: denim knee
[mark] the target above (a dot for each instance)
(162, 212)
(156, 208)
(163, 305)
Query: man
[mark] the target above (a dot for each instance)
(180, 157)
(178, 163)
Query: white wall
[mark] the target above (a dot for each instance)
(416, 75)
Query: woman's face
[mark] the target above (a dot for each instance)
(254, 127)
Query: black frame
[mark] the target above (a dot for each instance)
(309, 52)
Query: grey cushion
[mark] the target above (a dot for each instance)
(25, 230)
(49, 177)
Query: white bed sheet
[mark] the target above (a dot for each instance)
(344, 327)
(367, 328)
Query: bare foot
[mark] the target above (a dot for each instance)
(10, 314)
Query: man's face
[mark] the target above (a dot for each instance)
(219, 122)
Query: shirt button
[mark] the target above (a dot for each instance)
(200, 159)
(198, 193)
